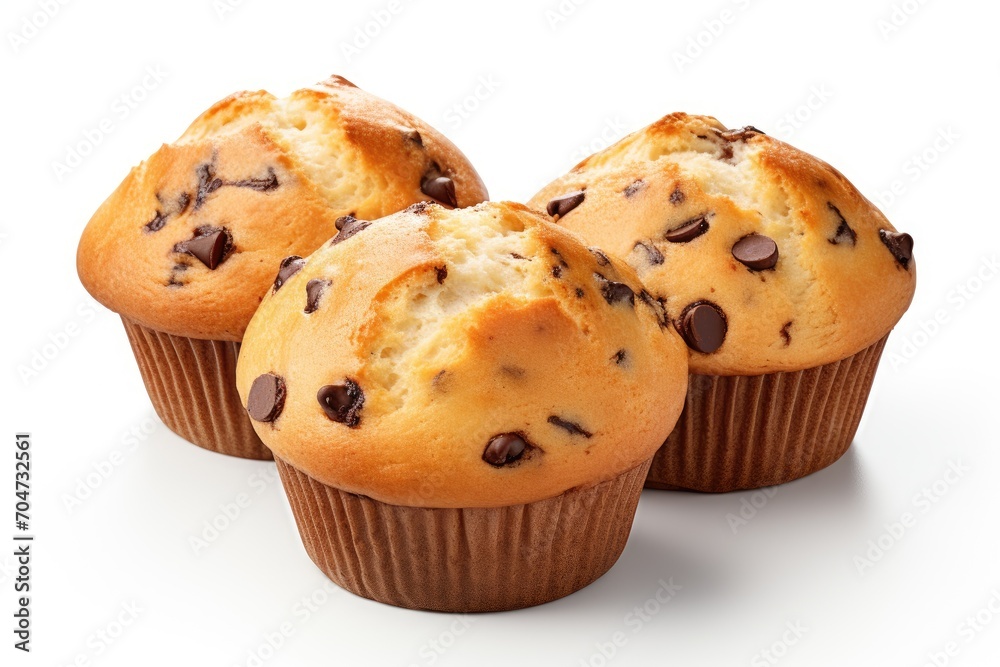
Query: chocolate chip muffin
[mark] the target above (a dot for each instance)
(449, 392)
(782, 278)
(186, 247)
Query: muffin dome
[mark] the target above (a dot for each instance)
(187, 244)
(460, 358)
(766, 258)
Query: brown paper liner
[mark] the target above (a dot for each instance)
(751, 431)
(192, 384)
(464, 560)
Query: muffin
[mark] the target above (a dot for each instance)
(462, 405)
(781, 277)
(186, 247)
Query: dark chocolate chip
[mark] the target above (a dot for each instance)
(653, 253)
(315, 289)
(183, 201)
(620, 357)
(442, 273)
(505, 449)
(740, 135)
(899, 244)
(210, 245)
(157, 223)
(517, 255)
(438, 186)
(786, 333)
(617, 292)
(347, 226)
(571, 427)
(657, 305)
(289, 267)
(677, 197)
(703, 327)
(207, 183)
(557, 271)
(844, 234)
(634, 188)
(580, 293)
(727, 152)
(563, 204)
(342, 402)
(602, 259)
(267, 398)
(756, 252)
(688, 230)
(269, 182)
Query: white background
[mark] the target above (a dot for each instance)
(559, 88)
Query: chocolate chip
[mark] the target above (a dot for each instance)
(703, 327)
(207, 183)
(756, 252)
(442, 273)
(741, 134)
(157, 223)
(571, 427)
(557, 271)
(727, 153)
(517, 255)
(657, 305)
(616, 292)
(342, 402)
(563, 204)
(688, 230)
(419, 208)
(653, 253)
(415, 137)
(505, 449)
(580, 293)
(844, 234)
(602, 259)
(347, 226)
(289, 267)
(315, 289)
(620, 357)
(267, 398)
(677, 197)
(634, 188)
(210, 245)
(899, 244)
(438, 186)
(786, 333)
(183, 201)
(269, 182)
(562, 262)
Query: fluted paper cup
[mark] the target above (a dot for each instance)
(746, 432)
(464, 560)
(192, 385)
